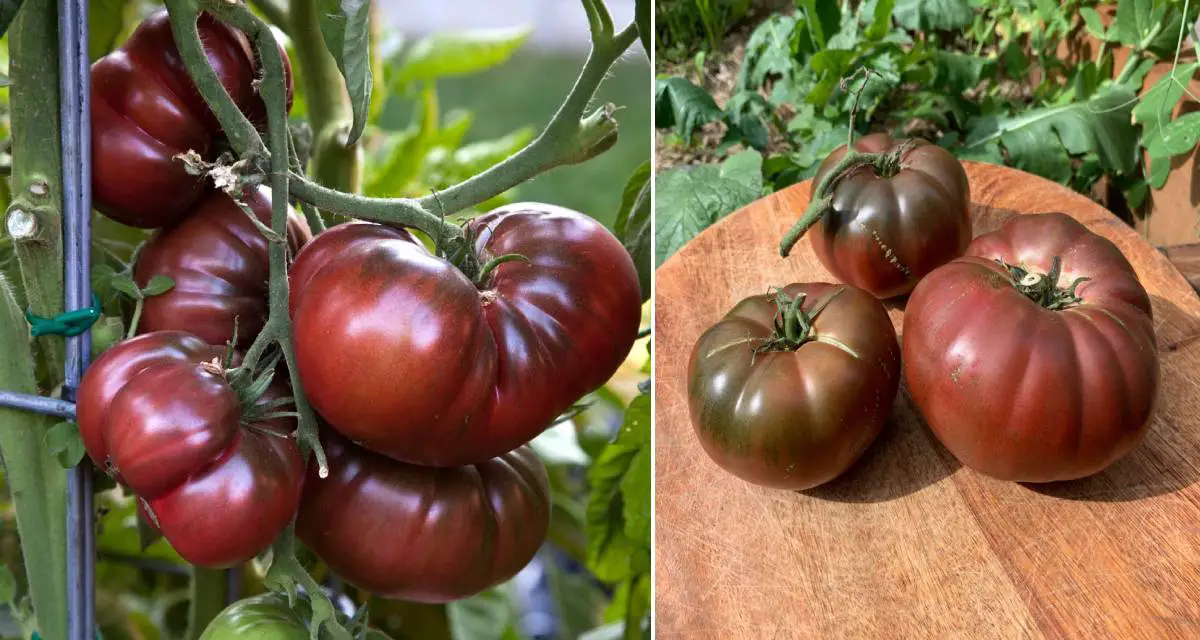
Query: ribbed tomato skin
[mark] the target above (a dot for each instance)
(1020, 392)
(401, 352)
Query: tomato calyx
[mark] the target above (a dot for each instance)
(794, 325)
(490, 266)
(885, 164)
(472, 264)
(1043, 288)
(250, 387)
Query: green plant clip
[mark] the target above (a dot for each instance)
(71, 323)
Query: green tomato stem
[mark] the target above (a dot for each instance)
(209, 593)
(315, 222)
(1043, 289)
(273, 90)
(138, 305)
(35, 479)
(274, 94)
(569, 137)
(396, 211)
(275, 12)
(885, 164)
(490, 266)
(34, 217)
(242, 135)
(794, 325)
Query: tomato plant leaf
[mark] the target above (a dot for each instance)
(157, 286)
(1163, 96)
(881, 19)
(688, 200)
(458, 53)
(619, 504)
(1136, 193)
(769, 52)
(125, 284)
(635, 493)
(1160, 170)
(933, 15)
(1154, 110)
(346, 28)
(486, 616)
(679, 103)
(1135, 19)
(1095, 25)
(823, 19)
(956, 72)
(745, 116)
(1102, 125)
(609, 549)
(1179, 136)
(637, 612)
(632, 225)
(107, 20)
(635, 428)
(578, 598)
(1167, 40)
(1031, 151)
(406, 152)
(64, 441)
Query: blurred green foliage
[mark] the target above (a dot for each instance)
(525, 92)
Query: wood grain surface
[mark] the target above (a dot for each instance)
(908, 543)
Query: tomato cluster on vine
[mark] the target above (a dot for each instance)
(429, 373)
(1029, 351)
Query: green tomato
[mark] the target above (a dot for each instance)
(266, 617)
(263, 617)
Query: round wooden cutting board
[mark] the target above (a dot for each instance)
(908, 543)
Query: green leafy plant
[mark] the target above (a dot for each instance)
(987, 81)
(689, 200)
(684, 23)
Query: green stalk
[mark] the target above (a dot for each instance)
(36, 480)
(34, 220)
(1135, 56)
(334, 163)
(34, 217)
(569, 138)
(209, 592)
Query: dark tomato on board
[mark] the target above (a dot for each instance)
(1033, 357)
(221, 267)
(145, 110)
(885, 232)
(424, 534)
(404, 354)
(155, 413)
(791, 387)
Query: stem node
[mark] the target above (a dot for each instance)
(21, 224)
